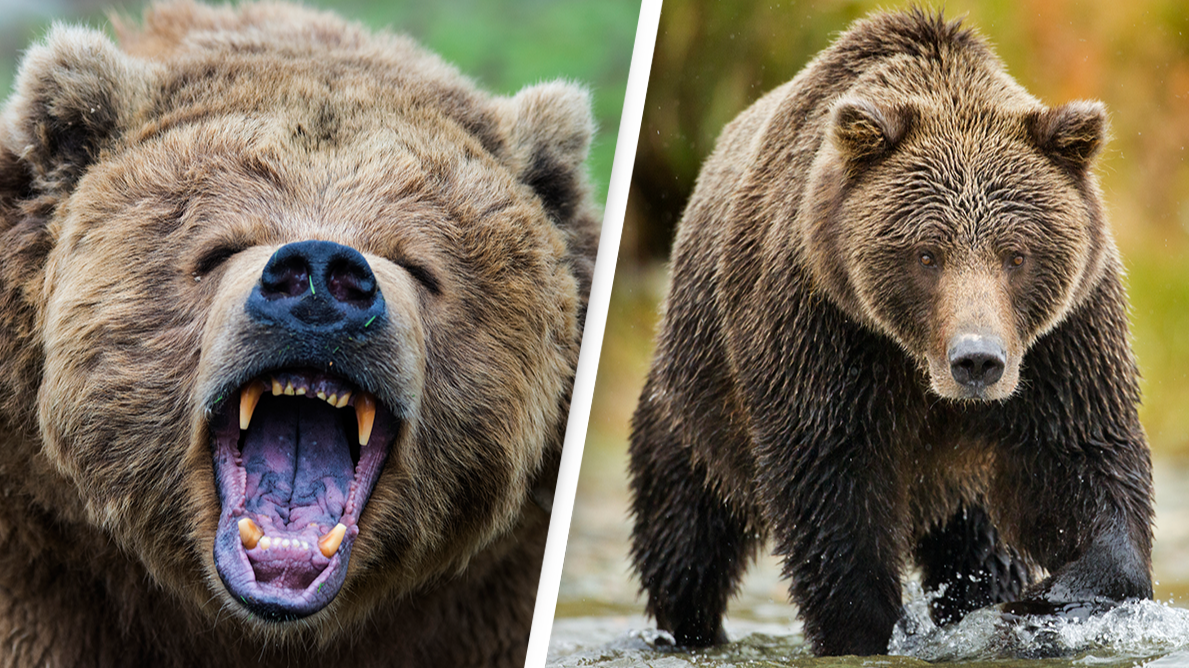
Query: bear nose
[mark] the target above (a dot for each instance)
(977, 361)
(316, 285)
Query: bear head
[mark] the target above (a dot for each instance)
(291, 311)
(954, 213)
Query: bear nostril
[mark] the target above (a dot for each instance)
(977, 361)
(350, 283)
(981, 368)
(288, 277)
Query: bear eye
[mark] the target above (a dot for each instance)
(215, 257)
(1016, 260)
(927, 259)
(422, 276)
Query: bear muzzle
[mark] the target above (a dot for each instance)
(320, 376)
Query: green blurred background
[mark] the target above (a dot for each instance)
(502, 44)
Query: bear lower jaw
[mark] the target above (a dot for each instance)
(292, 484)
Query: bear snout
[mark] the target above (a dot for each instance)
(316, 286)
(976, 361)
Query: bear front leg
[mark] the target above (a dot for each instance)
(836, 526)
(1113, 567)
(1075, 480)
(688, 547)
(965, 559)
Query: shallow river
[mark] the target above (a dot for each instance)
(600, 618)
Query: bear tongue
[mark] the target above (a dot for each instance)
(298, 465)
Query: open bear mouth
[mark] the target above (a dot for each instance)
(296, 458)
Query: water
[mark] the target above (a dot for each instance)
(1137, 630)
(600, 618)
(1144, 633)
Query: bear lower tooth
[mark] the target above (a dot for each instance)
(249, 533)
(329, 544)
(248, 398)
(365, 414)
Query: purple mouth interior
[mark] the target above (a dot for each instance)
(296, 473)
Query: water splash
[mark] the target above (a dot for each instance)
(1136, 630)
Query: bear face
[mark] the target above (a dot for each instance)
(300, 315)
(962, 230)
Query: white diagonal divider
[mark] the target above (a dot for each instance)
(592, 339)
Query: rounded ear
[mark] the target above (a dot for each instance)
(549, 127)
(1072, 134)
(864, 132)
(74, 94)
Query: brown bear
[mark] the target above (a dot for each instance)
(896, 334)
(289, 316)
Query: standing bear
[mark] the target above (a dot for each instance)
(289, 318)
(896, 334)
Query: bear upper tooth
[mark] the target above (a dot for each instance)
(329, 544)
(277, 390)
(248, 398)
(365, 414)
(342, 402)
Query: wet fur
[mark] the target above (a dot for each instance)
(795, 394)
(141, 193)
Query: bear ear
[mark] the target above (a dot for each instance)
(549, 128)
(864, 132)
(1071, 134)
(73, 96)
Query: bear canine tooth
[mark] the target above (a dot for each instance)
(248, 398)
(277, 390)
(249, 533)
(365, 414)
(329, 544)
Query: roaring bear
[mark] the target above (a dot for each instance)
(289, 317)
(896, 335)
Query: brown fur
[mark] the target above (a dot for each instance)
(900, 193)
(141, 193)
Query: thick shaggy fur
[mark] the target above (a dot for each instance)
(900, 191)
(142, 191)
